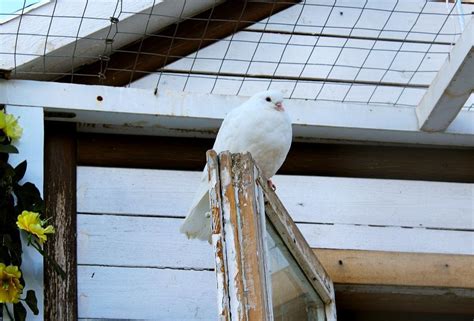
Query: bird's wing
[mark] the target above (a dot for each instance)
(197, 222)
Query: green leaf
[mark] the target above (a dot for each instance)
(20, 171)
(9, 149)
(32, 302)
(28, 198)
(19, 312)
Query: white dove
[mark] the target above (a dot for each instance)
(260, 126)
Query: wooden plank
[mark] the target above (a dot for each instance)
(352, 315)
(47, 45)
(190, 114)
(100, 301)
(60, 198)
(114, 235)
(218, 237)
(97, 243)
(389, 162)
(329, 200)
(377, 202)
(250, 230)
(389, 268)
(393, 239)
(177, 40)
(128, 241)
(146, 294)
(233, 245)
(394, 299)
(452, 86)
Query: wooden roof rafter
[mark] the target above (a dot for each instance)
(178, 40)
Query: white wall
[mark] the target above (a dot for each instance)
(31, 148)
(129, 246)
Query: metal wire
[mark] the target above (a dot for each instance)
(313, 47)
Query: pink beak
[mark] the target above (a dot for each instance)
(279, 106)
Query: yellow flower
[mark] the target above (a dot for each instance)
(31, 222)
(10, 287)
(9, 125)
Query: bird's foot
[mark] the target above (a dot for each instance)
(271, 185)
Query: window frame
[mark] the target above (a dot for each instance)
(240, 201)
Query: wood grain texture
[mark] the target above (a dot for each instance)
(101, 235)
(390, 299)
(321, 200)
(60, 198)
(390, 268)
(250, 231)
(218, 237)
(146, 294)
(178, 40)
(128, 241)
(391, 162)
(233, 241)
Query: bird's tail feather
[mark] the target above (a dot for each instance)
(198, 224)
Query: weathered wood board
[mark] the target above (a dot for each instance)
(309, 199)
(129, 243)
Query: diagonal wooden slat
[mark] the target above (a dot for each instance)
(176, 41)
(452, 86)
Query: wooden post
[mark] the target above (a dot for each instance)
(218, 239)
(60, 197)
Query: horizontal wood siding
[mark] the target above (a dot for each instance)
(320, 200)
(133, 262)
(146, 293)
(129, 244)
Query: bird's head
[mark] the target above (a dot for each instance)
(270, 98)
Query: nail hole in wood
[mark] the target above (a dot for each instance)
(100, 98)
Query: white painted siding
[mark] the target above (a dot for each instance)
(133, 262)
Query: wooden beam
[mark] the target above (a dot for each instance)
(60, 196)
(138, 59)
(398, 268)
(396, 299)
(352, 315)
(452, 86)
(177, 113)
(390, 162)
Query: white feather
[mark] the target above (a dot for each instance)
(256, 127)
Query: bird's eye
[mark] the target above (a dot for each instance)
(268, 99)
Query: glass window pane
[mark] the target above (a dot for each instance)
(293, 297)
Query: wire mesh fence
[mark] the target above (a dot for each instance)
(382, 52)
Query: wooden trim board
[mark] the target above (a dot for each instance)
(368, 161)
(60, 294)
(138, 59)
(398, 299)
(397, 268)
